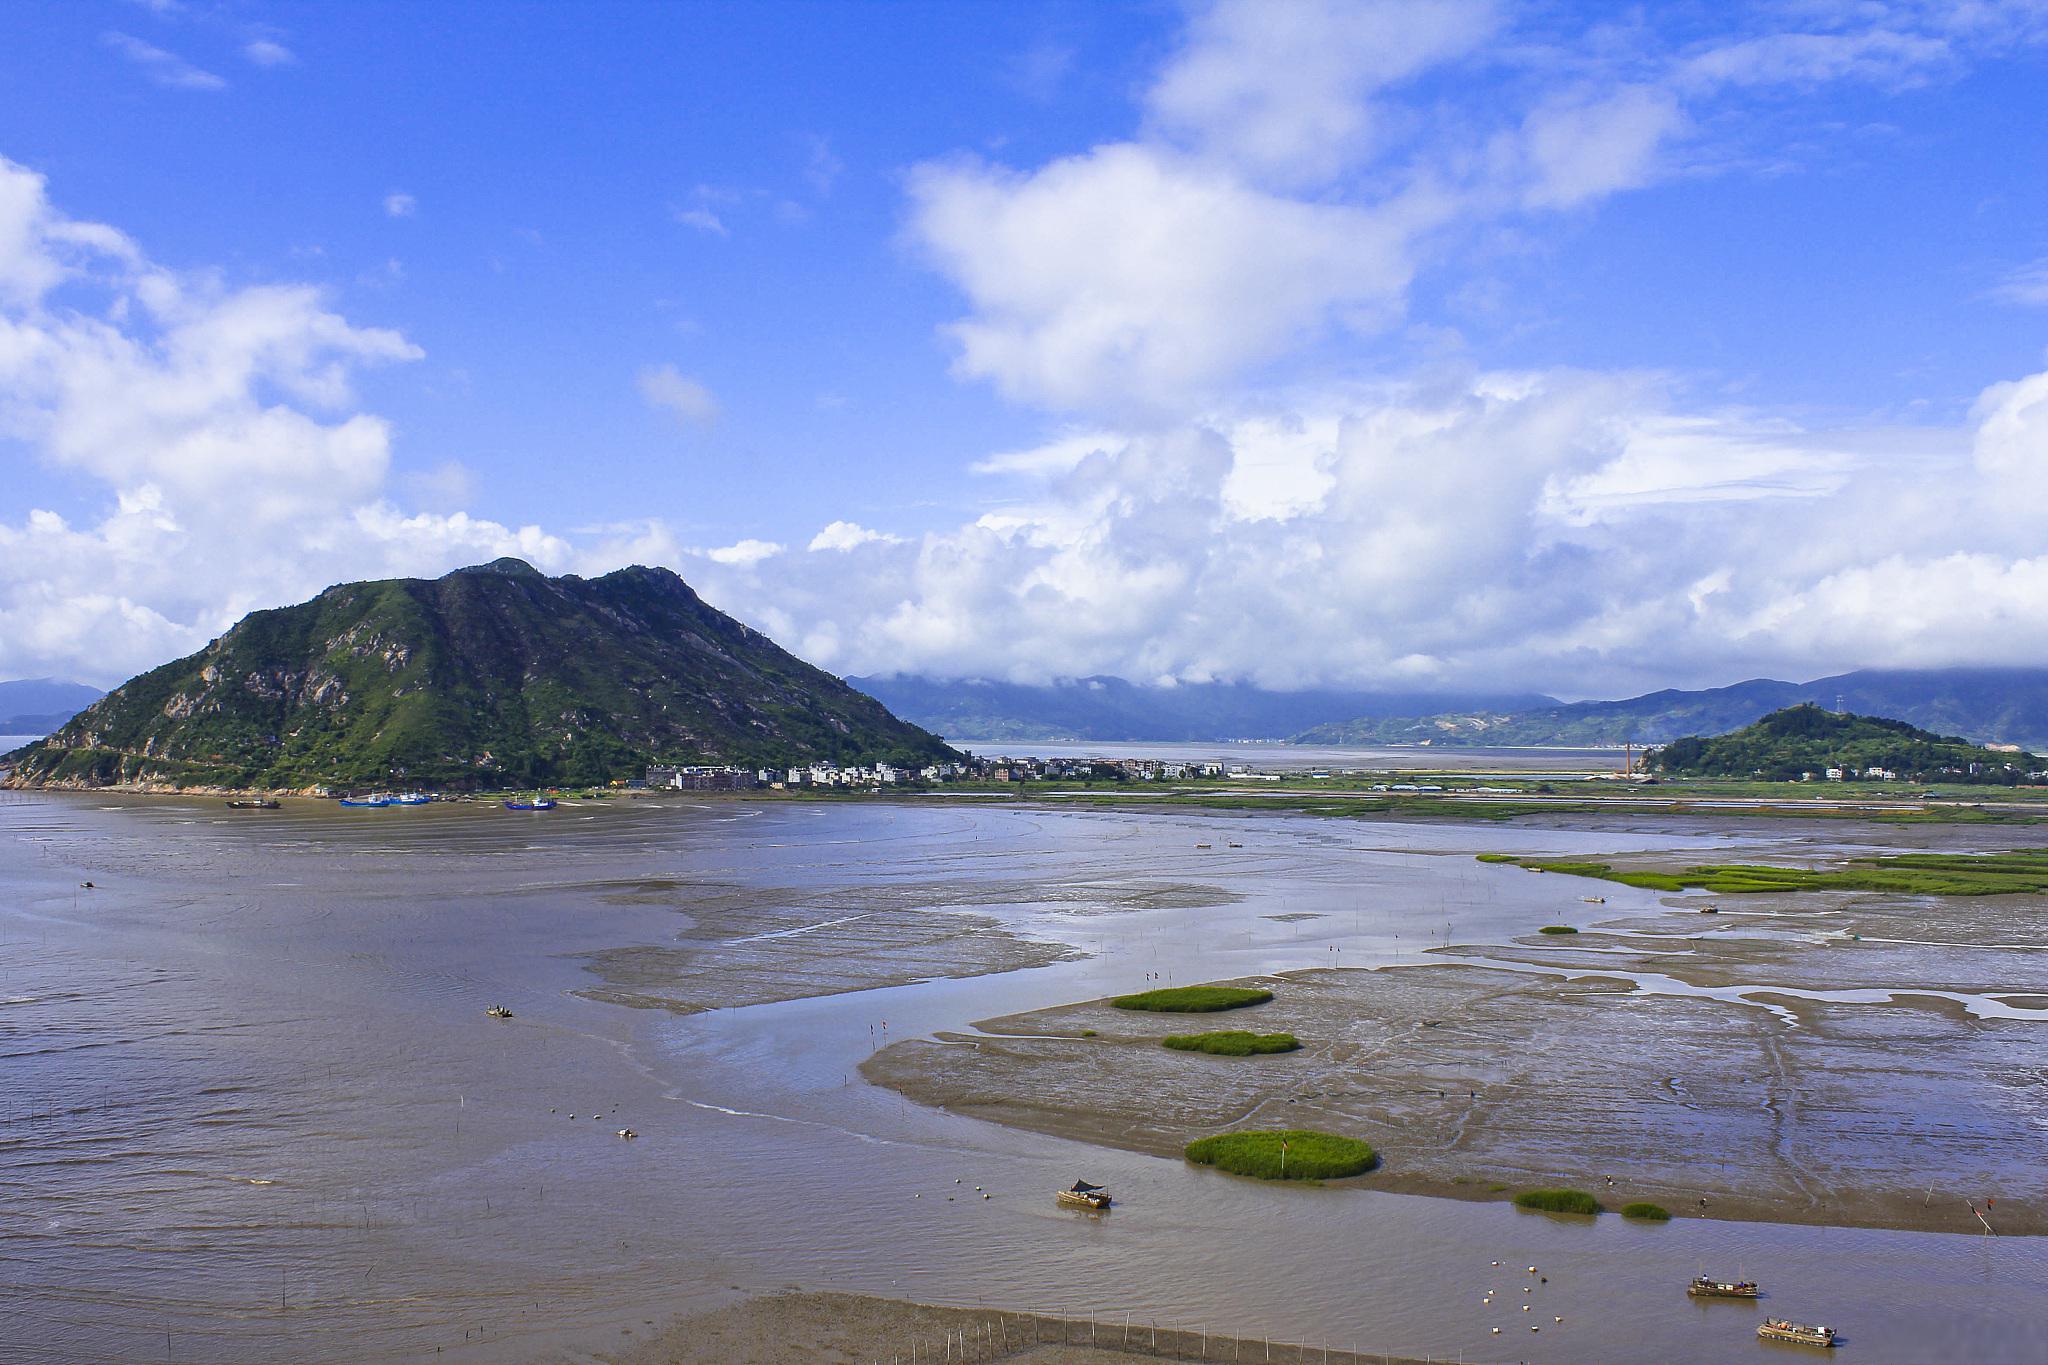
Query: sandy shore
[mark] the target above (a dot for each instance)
(804, 1329)
(1475, 1082)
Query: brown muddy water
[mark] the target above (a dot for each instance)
(251, 1107)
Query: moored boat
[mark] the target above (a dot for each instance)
(253, 803)
(499, 1012)
(1085, 1196)
(371, 801)
(1704, 1288)
(539, 802)
(1777, 1329)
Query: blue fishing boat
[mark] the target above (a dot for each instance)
(411, 799)
(366, 801)
(539, 802)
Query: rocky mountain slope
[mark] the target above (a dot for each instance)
(487, 677)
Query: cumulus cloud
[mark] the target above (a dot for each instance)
(223, 425)
(1133, 275)
(164, 68)
(686, 399)
(847, 535)
(744, 554)
(1571, 531)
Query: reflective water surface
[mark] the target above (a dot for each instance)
(251, 1107)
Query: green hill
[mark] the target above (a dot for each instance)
(1801, 740)
(488, 677)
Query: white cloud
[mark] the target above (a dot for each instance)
(847, 535)
(220, 421)
(2027, 286)
(268, 52)
(1587, 149)
(684, 398)
(167, 69)
(399, 204)
(1132, 276)
(1283, 90)
(702, 219)
(744, 554)
(1555, 530)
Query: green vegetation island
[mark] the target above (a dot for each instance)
(1193, 999)
(1284, 1154)
(1805, 743)
(489, 677)
(1232, 1043)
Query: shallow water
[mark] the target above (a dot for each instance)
(250, 1107)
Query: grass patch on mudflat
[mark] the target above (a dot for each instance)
(1558, 1201)
(1232, 1043)
(1309, 1155)
(1193, 999)
(1916, 874)
(1646, 1213)
(1557, 929)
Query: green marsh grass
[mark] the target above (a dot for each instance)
(1309, 1155)
(1646, 1213)
(1558, 1201)
(1193, 999)
(1232, 1043)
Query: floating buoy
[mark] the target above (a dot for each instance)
(1496, 1331)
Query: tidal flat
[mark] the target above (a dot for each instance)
(255, 1110)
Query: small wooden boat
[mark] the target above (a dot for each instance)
(1710, 909)
(1777, 1329)
(1085, 1196)
(499, 1012)
(1704, 1288)
(1201, 845)
(253, 803)
(1594, 900)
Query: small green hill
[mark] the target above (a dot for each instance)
(492, 676)
(1804, 740)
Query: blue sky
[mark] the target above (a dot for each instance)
(1579, 349)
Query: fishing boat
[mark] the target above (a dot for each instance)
(1777, 1329)
(411, 799)
(1704, 1288)
(372, 801)
(499, 1012)
(253, 803)
(1594, 900)
(1085, 1196)
(1710, 909)
(539, 802)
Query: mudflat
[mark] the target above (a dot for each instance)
(1852, 1061)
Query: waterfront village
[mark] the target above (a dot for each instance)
(970, 769)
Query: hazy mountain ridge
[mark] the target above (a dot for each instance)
(1112, 709)
(1986, 705)
(36, 706)
(487, 676)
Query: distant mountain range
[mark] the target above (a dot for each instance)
(1107, 709)
(36, 706)
(488, 677)
(1986, 705)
